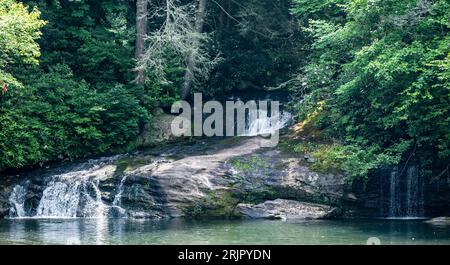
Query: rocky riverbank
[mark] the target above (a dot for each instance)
(210, 178)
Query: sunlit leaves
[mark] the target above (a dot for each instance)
(19, 30)
(391, 83)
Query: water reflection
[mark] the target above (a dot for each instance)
(123, 231)
(102, 231)
(56, 231)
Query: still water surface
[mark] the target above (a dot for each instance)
(124, 231)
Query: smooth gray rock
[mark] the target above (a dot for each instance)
(285, 209)
(207, 178)
(214, 183)
(439, 221)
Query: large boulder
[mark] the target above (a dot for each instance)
(157, 131)
(273, 174)
(214, 181)
(439, 221)
(285, 209)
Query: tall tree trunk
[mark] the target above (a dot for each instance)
(141, 32)
(189, 75)
(229, 11)
(221, 21)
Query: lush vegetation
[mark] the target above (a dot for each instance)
(70, 68)
(372, 77)
(75, 99)
(379, 72)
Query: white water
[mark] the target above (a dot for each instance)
(264, 124)
(394, 203)
(69, 195)
(76, 193)
(407, 194)
(414, 193)
(118, 198)
(17, 201)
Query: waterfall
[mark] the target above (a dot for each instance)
(116, 209)
(77, 192)
(118, 198)
(394, 202)
(414, 193)
(17, 202)
(71, 194)
(59, 200)
(70, 199)
(264, 124)
(406, 193)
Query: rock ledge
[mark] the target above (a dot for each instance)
(285, 209)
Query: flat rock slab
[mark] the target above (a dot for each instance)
(439, 221)
(285, 209)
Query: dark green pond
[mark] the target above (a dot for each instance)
(123, 231)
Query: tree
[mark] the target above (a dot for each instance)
(377, 69)
(141, 33)
(19, 30)
(189, 76)
(181, 34)
(79, 100)
(259, 41)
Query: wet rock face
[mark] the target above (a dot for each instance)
(402, 191)
(285, 177)
(438, 197)
(285, 209)
(30, 200)
(4, 200)
(209, 178)
(214, 182)
(143, 197)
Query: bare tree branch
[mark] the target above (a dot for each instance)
(181, 33)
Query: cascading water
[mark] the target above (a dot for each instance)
(59, 200)
(414, 193)
(76, 193)
(394, 193)
(265, 124)
(406, 193)
(17, 201)
(116, 209)
(69, 195)
(118, 198)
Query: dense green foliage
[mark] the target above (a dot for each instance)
(70, 83)
(260, 41)
(79, 100)
(18, 35)
(372, 76)
(381, 70)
